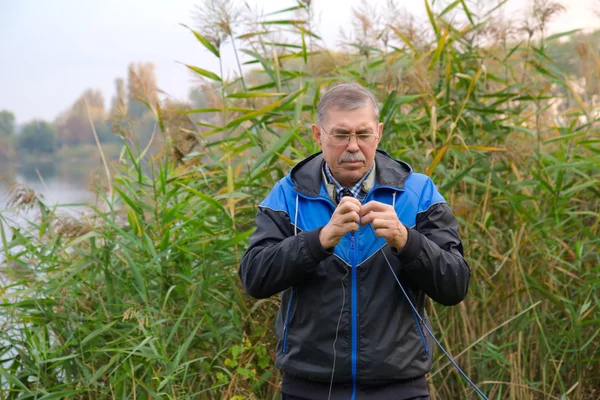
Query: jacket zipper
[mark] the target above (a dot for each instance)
(354, 293)
(354, 314)
(286, 325)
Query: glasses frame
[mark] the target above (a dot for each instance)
(376, 136)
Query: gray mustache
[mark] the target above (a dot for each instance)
(349, 157)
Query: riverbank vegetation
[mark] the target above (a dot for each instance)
(139, 298)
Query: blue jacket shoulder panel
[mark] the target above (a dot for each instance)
(423, 187)
(277, 199)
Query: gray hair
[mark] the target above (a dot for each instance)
(346, 97)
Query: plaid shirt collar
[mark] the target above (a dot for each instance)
(356, 190)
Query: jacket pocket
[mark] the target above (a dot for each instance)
(286, 324)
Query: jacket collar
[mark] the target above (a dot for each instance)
(307, 174)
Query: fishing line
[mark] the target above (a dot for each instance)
(483, 396)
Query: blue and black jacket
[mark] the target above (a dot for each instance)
(379, 340)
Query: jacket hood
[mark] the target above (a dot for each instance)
(306, 175)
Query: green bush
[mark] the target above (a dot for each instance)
(37, 137)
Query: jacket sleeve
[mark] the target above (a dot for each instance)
(433, 256)
(276, 258)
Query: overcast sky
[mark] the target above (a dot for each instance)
(52, 50)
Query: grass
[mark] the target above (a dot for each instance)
(140, 298)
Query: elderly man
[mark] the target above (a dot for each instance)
(324, 238)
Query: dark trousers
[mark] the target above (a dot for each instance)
(290, 397)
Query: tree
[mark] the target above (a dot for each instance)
(7, 131)
(75, 131)
(7, 123)
(105, 132)
(37, 136)
(74, 125)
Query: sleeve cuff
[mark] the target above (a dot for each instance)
(411, 249)
(313, 244)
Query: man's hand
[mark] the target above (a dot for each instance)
(385, 223)
(345, 219)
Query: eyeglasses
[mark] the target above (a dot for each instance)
(343, 139)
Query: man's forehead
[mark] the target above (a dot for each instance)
(363, 117)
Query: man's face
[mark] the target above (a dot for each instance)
(348, 161)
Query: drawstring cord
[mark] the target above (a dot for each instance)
(337, 329)
(296, 218)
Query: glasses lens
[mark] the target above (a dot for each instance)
(367, 139)
(344, 139)
(339, 140)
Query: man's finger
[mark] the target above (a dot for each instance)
(346, 227)
(349, 199)
(350, 217)
(367, 219)
(379, 232)
(381, 223)
(370, 217)
(384, 233)
(373, 206)
(348, 206)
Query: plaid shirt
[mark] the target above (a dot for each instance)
(356, 190)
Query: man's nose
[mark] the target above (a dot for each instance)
(353, 144)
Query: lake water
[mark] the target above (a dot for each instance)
(57, 182)
(60, 183)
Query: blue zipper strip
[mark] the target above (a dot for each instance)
(354, 314)
(421, 333)
(286, 325)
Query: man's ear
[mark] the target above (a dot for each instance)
(380, 129)
(316, 131)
